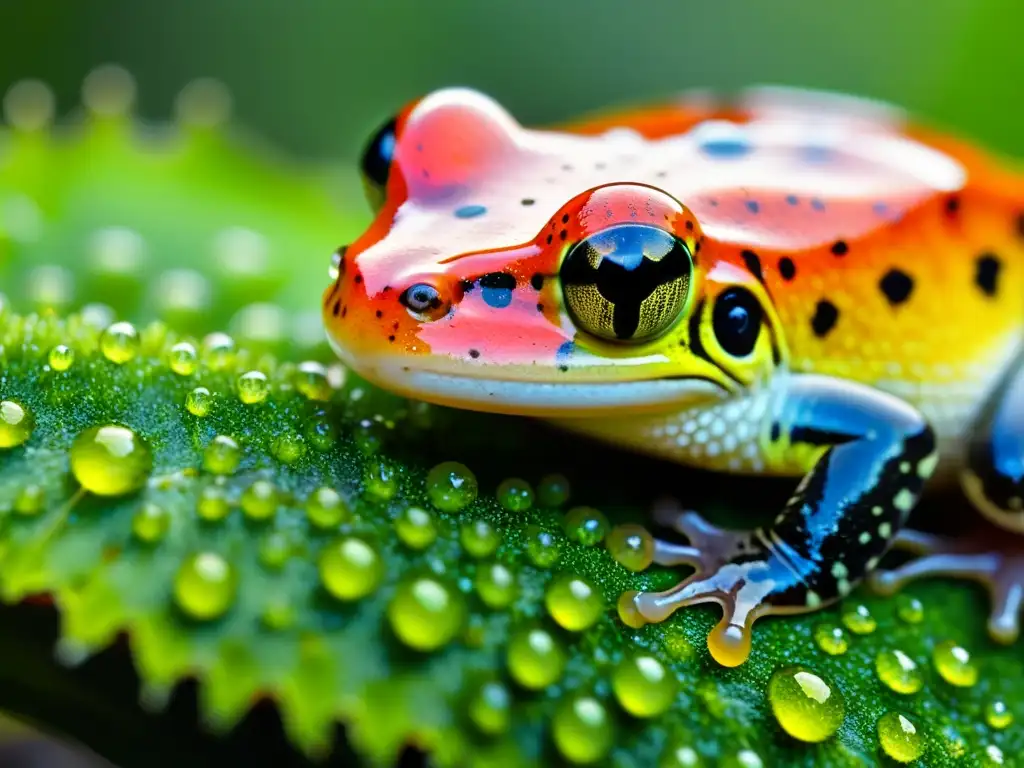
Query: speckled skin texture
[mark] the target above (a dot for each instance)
(794, 283)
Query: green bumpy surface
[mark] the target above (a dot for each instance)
(471, 623)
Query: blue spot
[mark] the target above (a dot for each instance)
(496, 288)
(792, 199)
(817, 204)
(563, 353)
(726, 149)
(752, 206)
(816, 154)
(470, 211)
(499, 298)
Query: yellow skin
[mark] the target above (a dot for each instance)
(795, 284)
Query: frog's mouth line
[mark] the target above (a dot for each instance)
(535, 398)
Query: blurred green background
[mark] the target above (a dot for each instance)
(313, 76)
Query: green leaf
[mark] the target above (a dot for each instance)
(408, 612)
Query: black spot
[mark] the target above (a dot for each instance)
(840, 248)
(565, 218)
(474, 353)
(537, 281)
(825, 317)
(379, 314)
(896, 285)
(752, 206)
(566, 167)
(563, 234)
(391, 339)
(358, 279)
(467, 285)
(791, 200)
(549, 239)
(1020, 225)
(753, 264)
(952, 204)
(540, 307)
(337, 308)
(527, 201)
(986, 275)
(344, 311)
(689, 225)
(787, 268)
(385, 289)
(497, 289)
(661, 174)
(776, 431)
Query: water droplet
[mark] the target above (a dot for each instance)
(573, 602)
(535, 659)
(998, 714)
(993, 756)
(381, 479)
(218, 351)
(61, 358)
(451, 486)
(205, 586)
(275, 549)
(541, 547)
(253, 387)
(204, 103)
(631, 546)
(898, 671)
(515, 495)
(643, 686)
(16, 424)
(183, 359)
(199, 401)
(553, 490)
(495, 584)
(29, 105)
(222, 455)
(109, 90)
(350, 568)
(479, 538)
(416, 527)
(278, 614)
(212, 505)
(581, 729)
(259, 501)
(900, 738)
(110, 460)
(425, 613)
(586, 525)
(151, 523)
(312, 382)
(678, 755)
(831, 639)
(490, 708)
(29, 501)
(858, 619)
(326, 509)
(909, 609)
(288, 449)
(807, 707)
(48, 286)
(120, 343)
(744, 758)
(954, 663)
(321, 431)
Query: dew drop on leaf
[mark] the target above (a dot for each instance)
(205, 586)
(586, 525)
(631, 546)
(16, 424)
(489, 708)
(953, 662)
(253, 387)
(350, 568)
(110, 460)
(199, 401)
(311, 381)
(416, 527)
(381, 479)
(898, 671)
(535, 658)
(573, 602)
(909, 609)
(183, 359)
(222, 455)
(120, 343)
(495, 584)
(259, 501)
(998, 714)
(553, 490)
(515, 495)
(29, 500)
(679, 755)
(806, 706)
(582, 729)
(451, 486)
(899, 737)
(212, 504)
(479, 538)
(326, 509)
(61, 358)
(542, 547)
(642, 685)
(151, 523)
(858, 619)
(425, 613)
(218, 351)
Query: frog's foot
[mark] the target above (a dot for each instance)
(984, 559)
(721, 576)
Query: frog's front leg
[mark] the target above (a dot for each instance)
(993, 479)
(871, 455)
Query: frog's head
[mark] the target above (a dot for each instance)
(538, 273)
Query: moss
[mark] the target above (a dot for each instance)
(233, 564)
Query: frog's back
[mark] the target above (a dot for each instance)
(894, 254)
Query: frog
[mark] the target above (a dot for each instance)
(777, 282)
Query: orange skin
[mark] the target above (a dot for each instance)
(884, 260)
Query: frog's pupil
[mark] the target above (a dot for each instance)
(628, 281)
(737, 321)
(421, 298)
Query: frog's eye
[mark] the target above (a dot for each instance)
(424, 302)
(376, 163)
(626, 283)
(736, 320)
